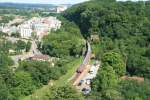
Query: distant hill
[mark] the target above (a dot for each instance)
(26, 5)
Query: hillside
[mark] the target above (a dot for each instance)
(25, 5)
(123, 29)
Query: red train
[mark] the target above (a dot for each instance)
(86, 59)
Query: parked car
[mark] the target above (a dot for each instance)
(86, 91)
(81, 82)
(91, 72)
(88, 81)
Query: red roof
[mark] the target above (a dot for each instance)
(140, 79)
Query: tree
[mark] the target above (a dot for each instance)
(28, 46)
(4, 92)
(17, 35)
(111, 94)
(25, 84)
(40, 75)
(116, 61)
(67, 37)
(106, 79)
(21, 45)
(123, 28)
(64, 92)
(134, 90)
(147, 52)
(5, 61)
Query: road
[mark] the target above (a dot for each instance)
(33, 51)
(16, 58)
(34, 48)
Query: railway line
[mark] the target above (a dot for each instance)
(83, 68)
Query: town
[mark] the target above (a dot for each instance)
(34, 26)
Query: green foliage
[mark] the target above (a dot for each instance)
(106, 79)
(3, 34)
(134, 90)
(65, 42)
(114, 19)
(147, 52)
(21, 45)
(3, 90)
(39, 71)
(25, 84)
(123, 28)
(17, 35)
(6, 19)
(116, 61)
(5, 60)
(28, 46)
(65, 92)
(111, 94)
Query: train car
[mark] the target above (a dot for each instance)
(86, 59)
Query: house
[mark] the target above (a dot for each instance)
(25, 31)
(40, 58)
(60, 9)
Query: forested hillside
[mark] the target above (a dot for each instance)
(123, 47)
(65, 42)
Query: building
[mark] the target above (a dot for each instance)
(139, 79)
(38, 25)
(13, 29)
(40, 58)
(60, 9)
(25, 31)
(40, 28)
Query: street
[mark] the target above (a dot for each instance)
(33, 51)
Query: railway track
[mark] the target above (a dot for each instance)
(83, 67)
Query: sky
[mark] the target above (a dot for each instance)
(50, 1)
(45, 1)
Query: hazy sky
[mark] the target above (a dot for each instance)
(45, 1)
(50, 1)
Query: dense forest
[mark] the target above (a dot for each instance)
(123, 29)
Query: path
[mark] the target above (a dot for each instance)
(33, 51)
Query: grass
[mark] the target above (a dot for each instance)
(63, 80)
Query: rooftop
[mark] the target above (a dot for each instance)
(40, 57)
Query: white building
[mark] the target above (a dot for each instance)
(41, 26)
(5, 29)
(25, 31)
(13, 29)
(60, 9)
(54, 23)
